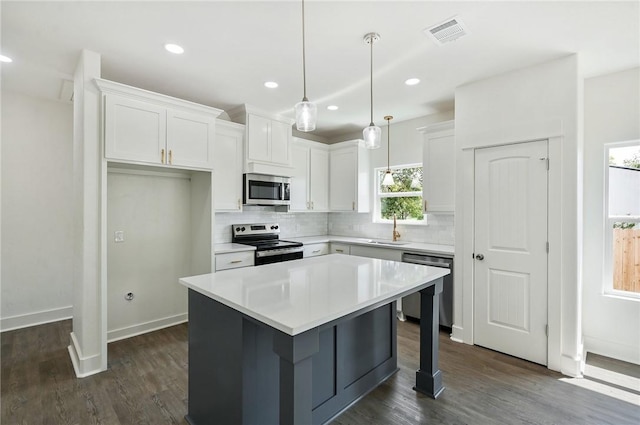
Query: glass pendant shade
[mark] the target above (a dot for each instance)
(306, 114)
(372, 136)
(388, 179)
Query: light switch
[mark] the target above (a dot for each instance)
(119, 236)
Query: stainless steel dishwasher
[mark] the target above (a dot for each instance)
(411, 303)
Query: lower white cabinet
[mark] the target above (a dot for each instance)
(234, 260)
(313, 250)
(375, 252)
(340, 248)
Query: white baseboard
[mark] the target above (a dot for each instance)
(142, 328)
(614, 350)
(83, 365)
(35, 318)
(457, 334)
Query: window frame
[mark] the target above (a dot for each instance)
(378, 195)
(608, 221)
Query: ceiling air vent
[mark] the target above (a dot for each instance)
(450, 30)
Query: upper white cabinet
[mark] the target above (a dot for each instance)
(349, 177)
(310, 177)
(267, 142)
(143, 127)
(228, 166)
(438, 190)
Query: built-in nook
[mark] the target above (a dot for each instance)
(158, 230)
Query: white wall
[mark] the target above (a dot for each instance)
(542, 101)
(37, 214)
(612, 108)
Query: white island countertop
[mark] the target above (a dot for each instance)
(295, 296)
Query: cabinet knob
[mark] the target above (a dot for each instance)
(480, 257)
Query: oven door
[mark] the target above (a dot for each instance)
(262, 189)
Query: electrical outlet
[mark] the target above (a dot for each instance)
(118, 236)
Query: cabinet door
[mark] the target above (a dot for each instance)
(318, 179)
(190, 139)
(134, 131)
(280, 142)
(258, 143)
(439, 174)
(342, 180)
(300, 178)
(228, 168)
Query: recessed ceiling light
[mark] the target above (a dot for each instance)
(174, 48)
(332, 107)
(412, 81)
(4, 58)
(271, 84)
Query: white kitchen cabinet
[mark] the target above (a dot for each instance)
(315, 249)
(340, 248)
(143, 127)
(349, 177)
(227, 167)
(267, 141)
(234, 260)
(376, 252)
(310, 177)
(438, 187)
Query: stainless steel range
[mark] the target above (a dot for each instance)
(266, 238)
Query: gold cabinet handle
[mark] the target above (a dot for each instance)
(316, 251)
(425, 206)
(339, 250)
(162, 156)
(235, 261)
(353, 205)
(239, 203)
(170, 157)
(312, 206)
(308, 205)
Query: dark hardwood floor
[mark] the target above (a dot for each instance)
(146, 383)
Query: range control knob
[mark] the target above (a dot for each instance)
(237, 229)
(275, 227)
(242, 228)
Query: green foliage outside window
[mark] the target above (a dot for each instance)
(407, 204)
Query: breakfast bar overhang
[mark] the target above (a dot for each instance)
(297, 342)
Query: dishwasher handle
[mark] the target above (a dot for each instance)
(444, 263)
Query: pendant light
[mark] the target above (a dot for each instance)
(306, 112)
(388, 177)
(371, 134)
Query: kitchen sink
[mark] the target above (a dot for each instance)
(383, 242)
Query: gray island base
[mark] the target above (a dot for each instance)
(244, 371)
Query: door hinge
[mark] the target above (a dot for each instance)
(547, 247)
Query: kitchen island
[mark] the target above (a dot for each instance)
(297, 342)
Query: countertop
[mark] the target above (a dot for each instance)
(298, 295)
(425, 248)
(407, 246)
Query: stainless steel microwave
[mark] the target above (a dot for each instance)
(262, 189)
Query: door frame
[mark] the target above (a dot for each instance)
(464, 285)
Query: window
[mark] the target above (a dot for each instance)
(622, 219)
(403, 198)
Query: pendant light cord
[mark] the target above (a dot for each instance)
(371, 42)
(304, 65)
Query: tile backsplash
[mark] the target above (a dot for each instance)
(291, 224)
(440, 228)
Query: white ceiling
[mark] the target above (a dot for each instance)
(233, 47)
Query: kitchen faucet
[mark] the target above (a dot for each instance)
(396, 234)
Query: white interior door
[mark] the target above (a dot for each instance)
(510, 283)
